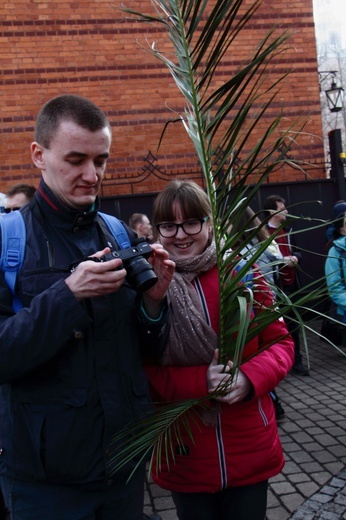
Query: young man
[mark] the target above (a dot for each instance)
(140, 223)
(18, 196)
(275, 206)
(70, 370)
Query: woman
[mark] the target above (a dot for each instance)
(270, 258)
(268, 262)
(335, 271)
(222, 471)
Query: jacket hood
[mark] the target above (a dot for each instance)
(340, 243)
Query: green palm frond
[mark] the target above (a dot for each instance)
(220, 120)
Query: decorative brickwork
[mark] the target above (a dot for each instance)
(90, 48)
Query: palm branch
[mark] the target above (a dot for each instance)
(219, 121)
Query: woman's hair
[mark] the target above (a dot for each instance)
(191, 198)
(341, 222)
(245, 224)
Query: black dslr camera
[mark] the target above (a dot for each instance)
(140, 273)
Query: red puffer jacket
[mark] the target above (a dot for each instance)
(243, 447)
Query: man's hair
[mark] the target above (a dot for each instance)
(270, 204)
(67, 107)
(27, 189)
(135, 219)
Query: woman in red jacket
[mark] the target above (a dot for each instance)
(221, 471)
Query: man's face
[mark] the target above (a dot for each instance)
(282, 212)
(146, 229)
(16, 201)
(74, 164)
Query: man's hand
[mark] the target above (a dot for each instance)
(91, 279)
(164, 270)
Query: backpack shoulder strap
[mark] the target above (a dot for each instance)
(13, 237)
(117, 229)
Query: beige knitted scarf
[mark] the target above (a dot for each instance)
(192, 341)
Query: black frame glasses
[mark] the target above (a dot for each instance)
(165, 233)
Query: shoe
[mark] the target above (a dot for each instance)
(300, 369)
(154, 516)
(279, 412)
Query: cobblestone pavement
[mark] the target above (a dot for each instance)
(312, 484)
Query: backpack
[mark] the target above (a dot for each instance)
(13, 237)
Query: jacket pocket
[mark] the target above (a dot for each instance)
(50, 433)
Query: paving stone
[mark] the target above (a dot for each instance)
(322, 497)
(272, 500)
(292, 501)
(324, 456)
(162, 503)
(298, 478)
(277, 513)
(301, 456)
(291, 467)
(282, 488)
(321, 477)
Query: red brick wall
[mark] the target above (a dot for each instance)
(89, 48)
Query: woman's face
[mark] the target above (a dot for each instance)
(182, 245)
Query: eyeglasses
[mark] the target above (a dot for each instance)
(8, 210)
(190, 227)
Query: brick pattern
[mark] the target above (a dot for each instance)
(90, 48)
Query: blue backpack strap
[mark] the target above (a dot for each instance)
(13, 238)
(117, 229)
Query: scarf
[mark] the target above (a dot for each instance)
(192, 340)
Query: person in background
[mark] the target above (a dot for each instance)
(271, 257)
(15, 198)
(18, 196)
(268, 262)
(221, 470)
(338, 208)
(275, 208)
(141, 225)
(335, 269)
(71, 371)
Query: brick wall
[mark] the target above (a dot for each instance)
(90, 48)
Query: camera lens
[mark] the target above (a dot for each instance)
(140, 273)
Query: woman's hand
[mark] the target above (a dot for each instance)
(164, 270)
(219, 378)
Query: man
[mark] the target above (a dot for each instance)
(18, 196)
(141, 225)
(275, 207)
(70, 370)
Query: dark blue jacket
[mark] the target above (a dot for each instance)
(70, 372)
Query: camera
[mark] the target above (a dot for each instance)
(140, 273)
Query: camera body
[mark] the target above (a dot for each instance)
(140, 273)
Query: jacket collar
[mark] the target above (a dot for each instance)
(59, 215)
